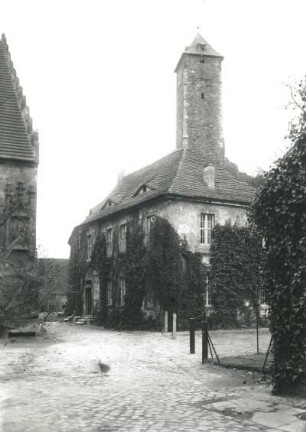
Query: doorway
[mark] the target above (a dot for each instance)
(88, 300)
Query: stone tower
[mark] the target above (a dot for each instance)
(18, 185)
(199, 113)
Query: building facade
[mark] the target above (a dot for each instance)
(18, 187)
(194, 187)
(53, 282)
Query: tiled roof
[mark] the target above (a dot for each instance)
(194, 48)
(18, 141)
(178, 174)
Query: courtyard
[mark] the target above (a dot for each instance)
(85, 378)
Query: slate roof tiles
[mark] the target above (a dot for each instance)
(179, 174)
(18, 141)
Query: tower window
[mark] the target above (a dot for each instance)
(202, 58)
(202, 95)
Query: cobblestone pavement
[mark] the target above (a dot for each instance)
(153, 384)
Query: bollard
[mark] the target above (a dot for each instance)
(174, 326)
(166, 322)
(204, 342)
(192, 336)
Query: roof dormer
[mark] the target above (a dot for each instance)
(142, 189)
(109, 203)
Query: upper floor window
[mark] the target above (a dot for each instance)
(122, 237)
(150, 220)
(8, 194)
(109, 242)
(122, 290)
(79, 240)
(206, 225)
(89, 246)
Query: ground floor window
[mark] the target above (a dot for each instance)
(122, 290)
(149, 300)
(262, 296)
(109, 293)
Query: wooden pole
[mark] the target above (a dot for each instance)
(204, 342)
(166, 322)
(192, 336)
(174, 326)
(257, 326)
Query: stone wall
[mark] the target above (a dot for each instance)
(18, 207)
(184, 216)
(18, 287)
(199, 111)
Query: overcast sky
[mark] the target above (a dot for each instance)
(100, 84)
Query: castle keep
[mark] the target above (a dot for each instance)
(194, 187)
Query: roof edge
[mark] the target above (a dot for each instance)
(171, 196)
(196, 54)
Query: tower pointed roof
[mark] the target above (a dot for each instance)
(18, 140)
(199, 47)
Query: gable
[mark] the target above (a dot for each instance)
(18, 141)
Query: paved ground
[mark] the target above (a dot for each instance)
(153, 384)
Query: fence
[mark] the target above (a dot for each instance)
(235, 347)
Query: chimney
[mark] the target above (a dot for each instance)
(120, 175)
(209, 176)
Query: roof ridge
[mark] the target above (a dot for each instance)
(178, 169)
(151, 164)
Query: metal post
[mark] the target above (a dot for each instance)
(174, 326)
(166, 322)
(192, 336)
(204, 342)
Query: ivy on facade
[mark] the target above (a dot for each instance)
(76, 276)
(102, 265)
(235, 273)
(279, 213)
(164, 266)
(132, 314)
(195, 283)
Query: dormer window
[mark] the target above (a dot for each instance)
(202, 46)
(143, 189)
(108, 203)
